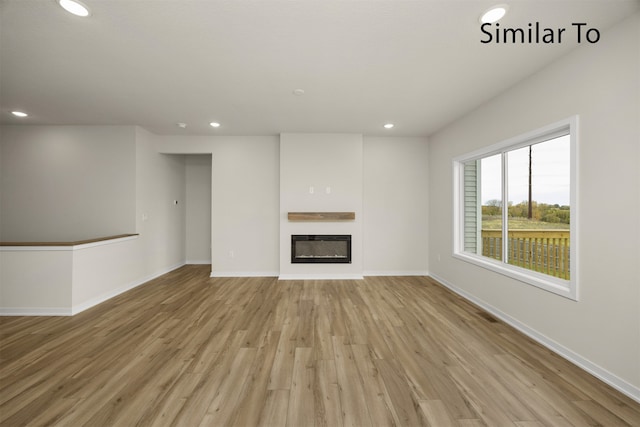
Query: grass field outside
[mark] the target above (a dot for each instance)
(495, 223)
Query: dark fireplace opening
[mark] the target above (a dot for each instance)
(321, 248)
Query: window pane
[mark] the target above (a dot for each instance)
(491, 197)
(539, 197)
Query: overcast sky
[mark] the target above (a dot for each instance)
(551, 174)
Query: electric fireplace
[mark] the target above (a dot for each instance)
(321, 248)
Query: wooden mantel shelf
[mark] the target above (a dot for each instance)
(322, 216)
(68, 243)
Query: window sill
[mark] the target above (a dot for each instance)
(564, 288)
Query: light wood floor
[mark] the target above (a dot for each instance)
(189, 350)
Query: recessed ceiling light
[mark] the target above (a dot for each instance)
(214, 124)
(388, 125)
(182, 125)
(19, 114)
(494, 14)
(75, 7)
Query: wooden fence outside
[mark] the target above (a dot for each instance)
(545, 251)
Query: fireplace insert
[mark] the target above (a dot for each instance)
(321, 248)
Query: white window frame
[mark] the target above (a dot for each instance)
(565, 288)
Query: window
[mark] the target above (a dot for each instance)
(515, 208)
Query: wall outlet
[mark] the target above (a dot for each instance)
(232, 254)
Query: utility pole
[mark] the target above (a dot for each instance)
(530, 205)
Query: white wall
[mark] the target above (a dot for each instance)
(35, 282)
(160, 180)
(321, 161)
(599, 83)
(245, 200)
(245, 207)
(59, 183)
(103, 270)
(198, 208)
(395, 206)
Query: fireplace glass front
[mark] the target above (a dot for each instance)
(321, 248)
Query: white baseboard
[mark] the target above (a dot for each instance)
(198, 261)
(396, 273)
(35, 311)
(613, 380)
(244, 274)
(320, 277)
(106, 296)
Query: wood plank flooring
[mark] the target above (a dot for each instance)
(189, 350)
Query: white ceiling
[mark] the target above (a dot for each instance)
(361, 63)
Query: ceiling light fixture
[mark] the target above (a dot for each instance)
(214, 124)
(494, 14)
(75, 7)
(388, 125)
(19, 114)
(182, 125)
(298, 92)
